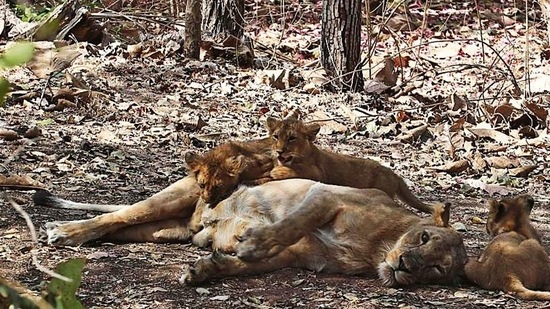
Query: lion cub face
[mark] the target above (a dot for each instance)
(511, 215)
(291, 137)
(217, 173)
(426, 254)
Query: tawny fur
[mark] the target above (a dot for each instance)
(327, 228)
(221, 170)
(514, 261)
(298, 157)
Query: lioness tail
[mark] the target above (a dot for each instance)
(405, 194)
(45, 198)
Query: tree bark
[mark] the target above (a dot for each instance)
(223, 18)
(192, 40)
(341, 43)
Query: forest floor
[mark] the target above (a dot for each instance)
(126, 142)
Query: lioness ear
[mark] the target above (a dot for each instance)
(441, 214)
(311, 130)
(235, 165)
(272, 124)
(192, 160)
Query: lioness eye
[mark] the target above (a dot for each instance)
(292, 138)
(425, 237)
(201, 185)
(275, 136)
(439, 269)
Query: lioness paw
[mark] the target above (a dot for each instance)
(68, 233)
(256, 244)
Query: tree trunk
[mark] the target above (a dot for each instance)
(191, 45)
(341, 43)
(223, 18)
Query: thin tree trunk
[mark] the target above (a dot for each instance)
(191, 45)
(341, 43)
(223, 18)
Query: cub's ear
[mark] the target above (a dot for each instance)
(311, 130)
(235, 165)
(496, 209)
(441, 214)
(192, 161)
(272, 124)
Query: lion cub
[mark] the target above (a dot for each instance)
(514, 261)
(298, 157)
(221, 170)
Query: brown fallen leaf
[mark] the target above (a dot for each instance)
(492, 134)
(522, 171)
(9, 135)
(502, 162)
(16, 182)
(453, 167)
(413, 134)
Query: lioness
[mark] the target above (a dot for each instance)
(331, 229)
(298, 157)
(514, 261)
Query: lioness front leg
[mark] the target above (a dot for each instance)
(317, 209)
(176, 201)
(219, 265)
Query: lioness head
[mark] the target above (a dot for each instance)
(291, 137)
(429, 254)
(511, 215)
(217, 173)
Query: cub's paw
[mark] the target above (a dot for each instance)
(67, 233)
(282, 172)
(258, 243)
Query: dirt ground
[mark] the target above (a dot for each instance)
(145, 275)
(127, 147)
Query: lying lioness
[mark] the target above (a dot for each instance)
(514, 261)
(306, 224)
(295, 223)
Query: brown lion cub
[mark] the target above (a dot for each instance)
(219, 171)
(514, 261)
(298, 157)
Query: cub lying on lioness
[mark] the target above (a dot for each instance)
(331, 229)
(220, 170)
(298, 157)
(514, 261)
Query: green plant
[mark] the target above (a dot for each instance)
(18, 54)
(58, 294)
(31, 13)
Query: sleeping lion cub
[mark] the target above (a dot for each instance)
(298, 157)
(514, 261)
(327, 228)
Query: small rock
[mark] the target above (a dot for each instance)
(202, 291)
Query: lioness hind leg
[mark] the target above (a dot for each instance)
(166, 231)
(518, 289)
(176, 201)
(219, 265)
(318, 208)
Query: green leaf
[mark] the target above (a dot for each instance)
(4, 89)
(64, 292)
(18, 54)
(45, 122)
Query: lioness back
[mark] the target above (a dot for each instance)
(298, 157)
(514, 261)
